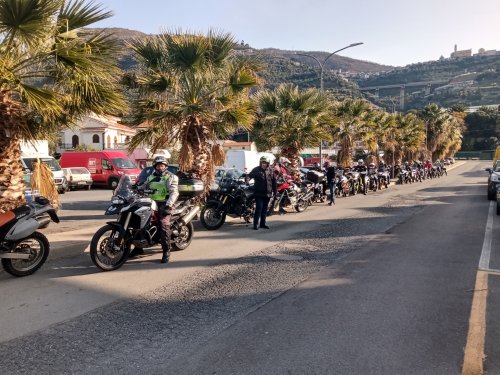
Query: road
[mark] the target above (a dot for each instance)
(382, 284)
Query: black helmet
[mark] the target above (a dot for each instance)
(317, 165)
(160, 160)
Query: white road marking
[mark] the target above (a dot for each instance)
(474, 348)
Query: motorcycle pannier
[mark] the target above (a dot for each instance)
(315, 176)
(190, 187)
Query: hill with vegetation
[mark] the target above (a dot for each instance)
(473, 81)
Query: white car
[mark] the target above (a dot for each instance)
(78, 178)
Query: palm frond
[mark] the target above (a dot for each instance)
(80, 13)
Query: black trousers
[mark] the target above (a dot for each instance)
(261, 204)
(164, 228)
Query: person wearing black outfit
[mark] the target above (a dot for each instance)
(330, 179)
(362, 169)
(264, 188)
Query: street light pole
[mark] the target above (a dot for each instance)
(322, 68)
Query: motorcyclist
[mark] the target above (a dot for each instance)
(165, 193)
(330, 179)
(372, 173)
(264, 188)
(148, 171)
(361, 168)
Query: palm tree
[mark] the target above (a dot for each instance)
(355, 123)
(435, 122)
(192, 90)
(408, 137)
(291, 120)
(51, 71)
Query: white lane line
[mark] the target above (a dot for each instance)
(474, 348)
(484, 261)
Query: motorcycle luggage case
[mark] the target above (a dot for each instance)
(190, 187)
(315, 176)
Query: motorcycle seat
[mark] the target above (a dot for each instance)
(6, 217)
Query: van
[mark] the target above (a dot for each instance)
(106, 167)
(39, 151)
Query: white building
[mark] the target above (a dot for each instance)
(97, 132)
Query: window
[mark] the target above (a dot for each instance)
(75, 141)
(95, 138)
(106, 164)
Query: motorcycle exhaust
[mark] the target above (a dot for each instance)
(188, 217)
(14, 256)
(308, 196)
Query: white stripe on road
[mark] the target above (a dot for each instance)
(474, 349)
(484, 261)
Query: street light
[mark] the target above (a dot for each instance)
(322, 67)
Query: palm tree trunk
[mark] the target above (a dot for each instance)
(292, 154)
(11, 170)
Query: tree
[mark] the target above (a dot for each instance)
(192, 90)
(354, 123)
(51, 71)
(291, 120)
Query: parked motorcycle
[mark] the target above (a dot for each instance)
(23, 250)
(234, 198)
(137, 223)
(383, 178)
(290, 194)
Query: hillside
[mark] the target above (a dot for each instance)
(472, 80)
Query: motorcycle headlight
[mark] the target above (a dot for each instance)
(117, 201)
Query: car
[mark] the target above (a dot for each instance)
(493, 180)
(78, 178)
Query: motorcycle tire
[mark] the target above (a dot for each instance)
(25, 267)
(95, 252)
(301, 205)
(185, 237)
(210, 218)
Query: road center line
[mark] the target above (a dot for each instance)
(474, 349)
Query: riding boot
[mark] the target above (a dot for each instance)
(166, 256)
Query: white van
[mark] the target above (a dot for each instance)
(241, 159)
(40, 150)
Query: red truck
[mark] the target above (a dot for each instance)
(106, 167)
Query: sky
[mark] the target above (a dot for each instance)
(393, 32)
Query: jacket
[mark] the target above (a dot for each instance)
(264, 181)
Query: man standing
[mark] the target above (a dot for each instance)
(264, 188)
(165, 192)
(330, 179)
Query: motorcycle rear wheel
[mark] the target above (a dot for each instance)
(105, 257)
(211, 218)
(25, 267)
(301, 205)
(183, 240)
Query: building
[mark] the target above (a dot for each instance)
(232, 145)
(96, 132)
(459, 54)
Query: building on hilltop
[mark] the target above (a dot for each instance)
(459, 54)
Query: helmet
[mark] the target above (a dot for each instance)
(406, 163)
(283, 160)
(326, 164)
(264, 159)
(160, 160)
(317, 165)
(372, 165)
(360, 162)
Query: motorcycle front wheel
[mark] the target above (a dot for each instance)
(184, 238)
(105, 253)
(37, 246)
(211, 217)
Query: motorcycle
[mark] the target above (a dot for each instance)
(290, 194)
(234, 198)
(23, 250)
(384, 178)
(138, 220)
(319, 181)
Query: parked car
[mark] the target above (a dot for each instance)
(493, 180)
(78, 178)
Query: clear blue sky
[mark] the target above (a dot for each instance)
(394, 32)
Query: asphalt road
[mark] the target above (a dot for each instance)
(381, 284)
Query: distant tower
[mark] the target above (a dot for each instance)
(455, 48)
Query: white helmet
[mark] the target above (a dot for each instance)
(360, 162)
